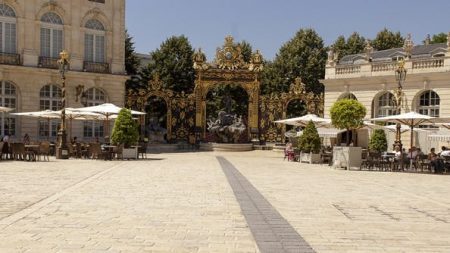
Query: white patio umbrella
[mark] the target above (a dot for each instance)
(304, 120)
(411, 119)
(46, 114)
(5, 109)
(107, 110)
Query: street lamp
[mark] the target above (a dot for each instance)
(400, 76)
(63, 151)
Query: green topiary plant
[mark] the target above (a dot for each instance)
(347, 114)
(125, 129)
(309, 141)
(378, 141)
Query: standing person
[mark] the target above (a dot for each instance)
(6, 150)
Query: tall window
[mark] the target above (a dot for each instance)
(386, 105)
(51, 35)
(8, 98)
(94, 41)
(429, 103)
(50, 99)
(93, 129)
(7, 29)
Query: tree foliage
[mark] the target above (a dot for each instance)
(387, 39)
(354, 44)
(246, 49)
(125, 129)
(347, 114)
(173, 62)
(309, 141)
(378, 141)
(439, 38)
(303, 56)
(132, 64)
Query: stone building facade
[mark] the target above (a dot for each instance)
(370, 78)
(33, 33)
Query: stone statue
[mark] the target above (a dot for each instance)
(227, 127)
(199, 59)
(256, 62)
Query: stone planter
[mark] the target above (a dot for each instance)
(130, 153)
(347, 157)
(309, 157)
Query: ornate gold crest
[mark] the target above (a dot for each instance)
(298, 87)
(155, 83)
(230, 55)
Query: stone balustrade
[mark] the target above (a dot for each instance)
(344, 70)
(429, 63)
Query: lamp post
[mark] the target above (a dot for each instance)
(63, 151)
(400, 76)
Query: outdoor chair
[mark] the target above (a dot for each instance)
(118, 152)
(423, 163)
(142, 149)
(95, 151)
(1, 150)
(44, 150)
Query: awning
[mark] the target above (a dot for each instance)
(327, 132)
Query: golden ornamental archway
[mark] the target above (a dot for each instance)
(228, 68)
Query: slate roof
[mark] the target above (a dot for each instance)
(419, 51)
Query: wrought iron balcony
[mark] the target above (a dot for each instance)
(48, 62)
(9, 59)
(96, 67)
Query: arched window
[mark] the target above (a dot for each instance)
(386, 105)
(94, 41)
(8, 98)
(347, 95)
(7, 29)
(92, 129)
(50, 99)
(429, 103)
(51, 35)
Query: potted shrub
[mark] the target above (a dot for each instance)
(347, 114)
(378, 141)
(309, 144)
(125, 132)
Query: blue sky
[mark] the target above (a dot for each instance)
(267, 24)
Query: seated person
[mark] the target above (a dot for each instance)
(412, 153)
(435, 162)
(419, 152)
(444, 152)
(26, 139)
(289, 151)
(397, 153)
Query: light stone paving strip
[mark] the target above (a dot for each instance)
(270, 230)
(178, 203)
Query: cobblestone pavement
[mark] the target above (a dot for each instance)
(184, 203)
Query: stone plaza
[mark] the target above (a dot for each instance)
(218, 202)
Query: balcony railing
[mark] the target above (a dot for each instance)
(96, 67)
(9, 59)
(381, 67)
(428, 64)
(48, 62)
(347, 70)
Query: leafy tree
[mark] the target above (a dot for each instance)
(303, 56)
(125, 129)
(347, 114)
(173, 62)
(354, 44)
(132, 61)
(439, 38)
(270, 79)
(246, 50)
(340, 47)
(378, 141)
(309, 141)
(132, 64)
(386, 39)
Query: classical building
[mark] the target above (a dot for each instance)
(370, 78)
(32, 34)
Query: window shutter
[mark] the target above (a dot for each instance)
(89, 47)
(100, 48)
(10, 38)
(45, 42)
